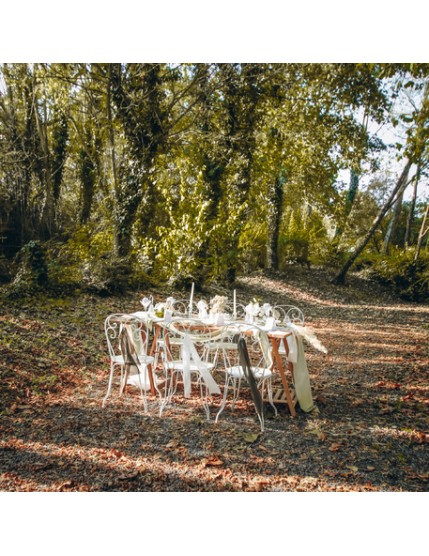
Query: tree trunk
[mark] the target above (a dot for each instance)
(274, 220)
(87, 177)
(111, 135)
(142, 121)
(43, 154)
(241, 96)
(393, 224)
(360, 245)
(422, 234)
(410, 219)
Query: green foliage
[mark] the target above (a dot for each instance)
(87, 261)
(252, 247)
(32, 273)
(409, 278)
(186, 172)
(303, 236)
(328, 253)
(295, 241)
(182, 230)
(80, 258)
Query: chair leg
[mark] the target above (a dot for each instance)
(236, 386)
(143, 394)
(109, 387)
(269, 386)
(167, 393)
(203, 397)
(225, 394)
(170, 387)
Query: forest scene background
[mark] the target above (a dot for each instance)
(124, 175)
(318, 189)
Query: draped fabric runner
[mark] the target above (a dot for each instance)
(190, 354)
(297, 357)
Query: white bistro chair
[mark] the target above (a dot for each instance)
(287, 314)
(127, 339)
(186, 358)
(254, 367)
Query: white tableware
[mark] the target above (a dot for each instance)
(219, 319)
(146, 302)
(270, 323)
(202, 309)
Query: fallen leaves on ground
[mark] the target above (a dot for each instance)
(372, 390)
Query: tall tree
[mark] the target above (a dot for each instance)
(137, 92)
(422, 233)
(410, 218)
(417, 152)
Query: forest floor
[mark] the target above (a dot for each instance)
(371, 388)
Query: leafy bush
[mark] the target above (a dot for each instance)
(409, 278)
(326, 252)
(32, 271)
(252, 248)
(86, 261)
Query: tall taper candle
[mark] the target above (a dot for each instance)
(192, 299)
(235, 305)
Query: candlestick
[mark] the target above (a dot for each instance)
(191, 299)
(234, 313)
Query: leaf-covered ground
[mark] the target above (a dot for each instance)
(371, 388)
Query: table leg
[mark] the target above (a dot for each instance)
(275, 342)
(151, 353)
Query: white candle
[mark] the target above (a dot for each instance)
(192, 299)
(235, 305)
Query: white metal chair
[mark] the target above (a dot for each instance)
(287, 314)
(185, 358)
(180, 309)
(258, 374)
(127, 339)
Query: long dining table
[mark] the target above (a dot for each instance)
(282, 340)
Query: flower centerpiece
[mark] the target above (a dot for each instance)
(218, 304)
(218, 308)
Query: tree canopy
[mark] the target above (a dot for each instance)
(124, 173)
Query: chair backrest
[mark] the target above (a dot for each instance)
(116, 325)
(240, 311)
(181, 308)
(288, 313)
(198, 331)
(257, 342)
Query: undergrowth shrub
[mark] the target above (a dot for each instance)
(31, 272)
(408, 277)
(86, 261)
